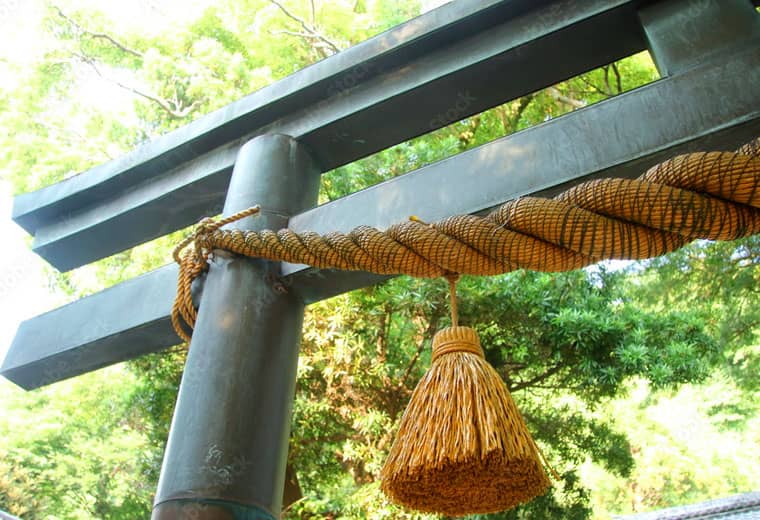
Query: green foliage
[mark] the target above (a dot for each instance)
(728, 277)
(574, 331)
(73, 450)
(684, 451)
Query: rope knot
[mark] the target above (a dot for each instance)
(205, 226)
(201, 236)
(194, 261)
(202, 239)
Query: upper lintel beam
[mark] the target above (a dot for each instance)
(452, 62)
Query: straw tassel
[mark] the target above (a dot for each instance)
(462, 445)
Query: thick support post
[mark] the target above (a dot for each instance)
(227, 449)
(682, 34)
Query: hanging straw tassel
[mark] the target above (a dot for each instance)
(462, 445)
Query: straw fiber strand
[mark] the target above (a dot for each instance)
(659, 206)
(707, 195)
(462, 445)
(721, 174)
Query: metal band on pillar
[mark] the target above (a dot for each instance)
(228, 444)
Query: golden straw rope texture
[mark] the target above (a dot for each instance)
(706, 195)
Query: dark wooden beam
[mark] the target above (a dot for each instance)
(450, 63)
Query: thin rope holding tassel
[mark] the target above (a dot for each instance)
(453, 279)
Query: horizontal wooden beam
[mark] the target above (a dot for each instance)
(620, 137)
(450, 63)
(114, 325)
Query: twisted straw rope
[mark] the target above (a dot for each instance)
(707, 195)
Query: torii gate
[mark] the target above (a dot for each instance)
(270, 148)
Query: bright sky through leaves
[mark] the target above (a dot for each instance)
(24, 290)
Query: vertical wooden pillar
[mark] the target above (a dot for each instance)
(682, 34)
(229, 437)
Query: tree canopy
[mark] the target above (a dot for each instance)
(596, 358)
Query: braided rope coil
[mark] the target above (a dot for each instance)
(705, 195)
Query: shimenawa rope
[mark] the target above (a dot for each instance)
(706, 195)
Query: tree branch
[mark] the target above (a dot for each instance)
(175, 111)
(383, 332)
(533, 381)
(293, 33)
(66, 134)
(310, 29)
(589, 84)
(559, 96)
(618, 78)
(97, 35)
(429, 332)
(509, 123)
